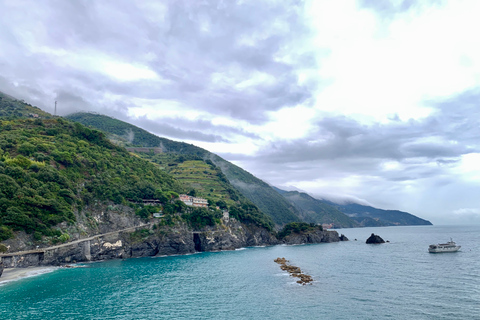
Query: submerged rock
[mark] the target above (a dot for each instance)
(375, 239)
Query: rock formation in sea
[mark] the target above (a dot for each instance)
(315, 236)
(343, 237)
(294, 271)
(374, 239)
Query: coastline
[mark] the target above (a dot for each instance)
(15, 274)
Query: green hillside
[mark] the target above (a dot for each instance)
(254, 189)
(11, 108)
(52, 168)
(49, 168)
(315, 211)
(368, 216)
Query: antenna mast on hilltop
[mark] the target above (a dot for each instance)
(55, 108)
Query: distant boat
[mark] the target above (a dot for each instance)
(450, 246)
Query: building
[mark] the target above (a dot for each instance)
(193, 201)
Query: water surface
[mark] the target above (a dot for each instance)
(353, 280)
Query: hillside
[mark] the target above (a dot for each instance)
(11, 108)
(51, 168)
(60, 180)
(315, 211)
(368, 216)
(254, 189)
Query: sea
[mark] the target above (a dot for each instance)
(352, 280)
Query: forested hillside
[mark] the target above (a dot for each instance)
(257, 191)
(315, 211)
(368, 216)
(49, 168)
(52, 168)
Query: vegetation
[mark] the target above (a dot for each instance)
(312, 210)
(49, 168)
(201, 217)
(11, 108)
(173, 153)
(368, 216)
(298, 228)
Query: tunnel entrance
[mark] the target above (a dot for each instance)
(197, 242)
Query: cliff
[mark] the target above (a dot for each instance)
(142, 241)
(154, 240)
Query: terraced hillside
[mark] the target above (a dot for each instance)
(254, 189)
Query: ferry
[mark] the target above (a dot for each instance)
(450, 246)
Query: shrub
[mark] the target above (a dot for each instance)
(5, 233)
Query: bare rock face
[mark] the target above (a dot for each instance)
(1, 268)
(375, 239)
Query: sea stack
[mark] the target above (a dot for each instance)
(375, 239)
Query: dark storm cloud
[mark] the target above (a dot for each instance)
(201, 52)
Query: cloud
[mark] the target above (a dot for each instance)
(382, 162)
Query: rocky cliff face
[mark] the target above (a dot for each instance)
(152, 240)
(146, 241)
(316, 236)
(94, 219)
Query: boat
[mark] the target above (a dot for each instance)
(450, 246)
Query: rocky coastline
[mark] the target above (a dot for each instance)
(153, 240)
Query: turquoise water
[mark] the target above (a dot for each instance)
(353, 280)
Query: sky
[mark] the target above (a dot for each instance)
(372, 101)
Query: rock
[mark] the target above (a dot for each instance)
(344, 238)
(294, 271)
(1, 268)
(375, 239)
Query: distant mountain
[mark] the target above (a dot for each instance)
(367, 216)
(11, 108)
(260, 193)
(313, 210)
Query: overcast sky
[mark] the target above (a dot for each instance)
(370, 100)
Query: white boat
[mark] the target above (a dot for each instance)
(450, 246)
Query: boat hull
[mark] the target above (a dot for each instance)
(442, 250)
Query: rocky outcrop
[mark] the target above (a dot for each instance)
(374, 239)
(294, 271)
(343, 238)
(316, 236)
(1, 267)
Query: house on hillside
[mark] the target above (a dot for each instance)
(193, 201)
